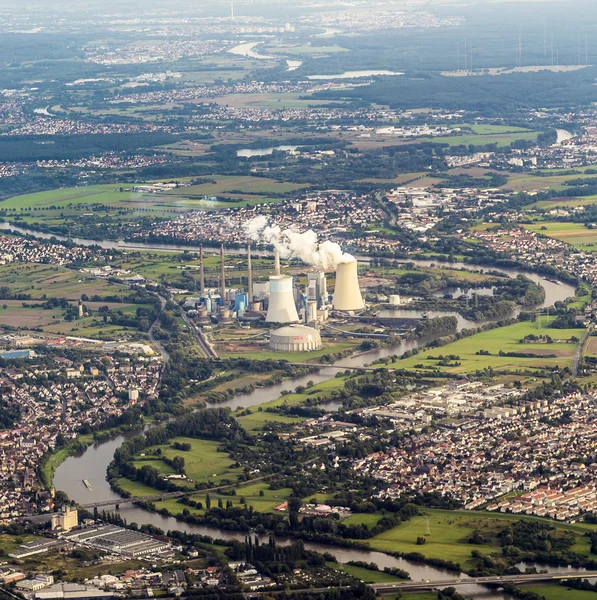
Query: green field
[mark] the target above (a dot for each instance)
(575, 234)
(560, 592)
(295, 357)
(243, 189)
(54, 281)
(251, 493)
(255, 421)
(501, 139)
(203, 462)
(451, 529)
(506, 339)
(369, 519)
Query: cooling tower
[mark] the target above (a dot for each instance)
(282, 308)
(347, 295)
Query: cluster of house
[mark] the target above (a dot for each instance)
(541, 445)
(329, 214)
(533, 249)
(51, 404)
(15, 249)
(218, 90)
(546, 501)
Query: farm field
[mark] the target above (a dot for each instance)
(244, 189)
(591, 347)
(54, 281)
(203, 462)
(575, 234)
(501, 139)
(506, 339)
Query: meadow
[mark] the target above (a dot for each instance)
(251, 493)
(450, 531)
(506, 339)
(203, 463)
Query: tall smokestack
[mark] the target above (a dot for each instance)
(223, 276)
(250, 283)
(201, 270)
(276, 262)
(347, 294)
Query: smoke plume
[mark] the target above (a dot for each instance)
(294, 244)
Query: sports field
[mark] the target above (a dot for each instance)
(575, 234)
(506, 339)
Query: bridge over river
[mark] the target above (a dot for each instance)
(387, 589)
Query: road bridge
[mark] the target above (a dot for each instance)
(386, 589)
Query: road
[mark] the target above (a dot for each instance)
(578, 354)
(156, 343)
(393, 588)
(205, 348)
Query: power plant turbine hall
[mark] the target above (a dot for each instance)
(347, 295)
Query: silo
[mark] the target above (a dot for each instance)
(347, 295)
(282, 308)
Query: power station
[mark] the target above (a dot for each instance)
(277, 301)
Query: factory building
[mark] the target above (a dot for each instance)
(295, 338)
(66, 520)
(347, 294)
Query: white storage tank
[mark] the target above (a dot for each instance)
(295, 338)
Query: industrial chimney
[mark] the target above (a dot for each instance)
(250, 282)
(201, 270)
(276, 262)
(224, 315)
(347, 295)
(282, 308)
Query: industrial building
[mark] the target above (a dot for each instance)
(67, 519)
(295, 338)
(117, 540)
(347, 294)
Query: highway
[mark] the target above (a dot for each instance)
(391, 588)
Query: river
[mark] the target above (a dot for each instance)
(92, 463)
(355, 75)
(250, 152)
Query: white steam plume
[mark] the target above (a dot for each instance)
(293, 244)
(254, 227)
